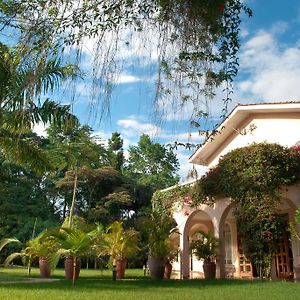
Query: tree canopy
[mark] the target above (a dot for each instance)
(153, 164)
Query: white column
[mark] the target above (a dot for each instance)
(220, 264)
(235, 250)
(184, 255)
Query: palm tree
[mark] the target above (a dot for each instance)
(119, 244)
(23, 79)
(39, 248)
(7, 241)
(74, 148)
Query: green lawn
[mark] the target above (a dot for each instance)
(98, 285)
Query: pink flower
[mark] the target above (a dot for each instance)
(186, 200)
(297, 148)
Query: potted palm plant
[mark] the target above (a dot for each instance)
(120, 245)
(74, 244)
(39, 248)
(158, 227)
(205, 246)
(173, 254)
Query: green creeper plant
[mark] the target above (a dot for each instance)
(252, 177)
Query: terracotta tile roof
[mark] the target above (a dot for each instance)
(266, 103)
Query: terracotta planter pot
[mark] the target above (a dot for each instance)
(69, 265)
(156, 267)
(168, 270)
(209, 269)
(44, 268)
(120, 268)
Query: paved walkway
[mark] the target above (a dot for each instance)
(31, 280)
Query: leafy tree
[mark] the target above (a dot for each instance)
(72, 147)
(152, 164)
(110, 199)
(115, 151)
(23, 200)
(101, 196)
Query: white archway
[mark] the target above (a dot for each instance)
(197, 220)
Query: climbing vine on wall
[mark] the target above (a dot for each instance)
(253, 177)
(166, 199)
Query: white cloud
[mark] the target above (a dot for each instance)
(134, 127)
(40, 129)
(273, 72)
(125, 78)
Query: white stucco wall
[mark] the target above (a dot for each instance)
(282, 129)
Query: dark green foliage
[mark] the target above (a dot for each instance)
(258, 169)
(207, 188)
(23, 199)
(115, 151)
(152, 164)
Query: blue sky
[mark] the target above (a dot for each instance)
(269, 72)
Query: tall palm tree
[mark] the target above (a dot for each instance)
(75, 148)
(24, 79)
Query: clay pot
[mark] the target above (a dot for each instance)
(44, 267)
(69, 266)
(120, 268)
(168, 270)
(156, 267)
(209, 269)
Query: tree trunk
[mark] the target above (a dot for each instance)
(73, 198)
(74, 269)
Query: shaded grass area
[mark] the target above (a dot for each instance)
(94, 285)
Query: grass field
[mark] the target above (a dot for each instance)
(98, 285)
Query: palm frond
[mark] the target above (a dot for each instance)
(24, 151)
(7, 241)
(54, 113)
(13, 256)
